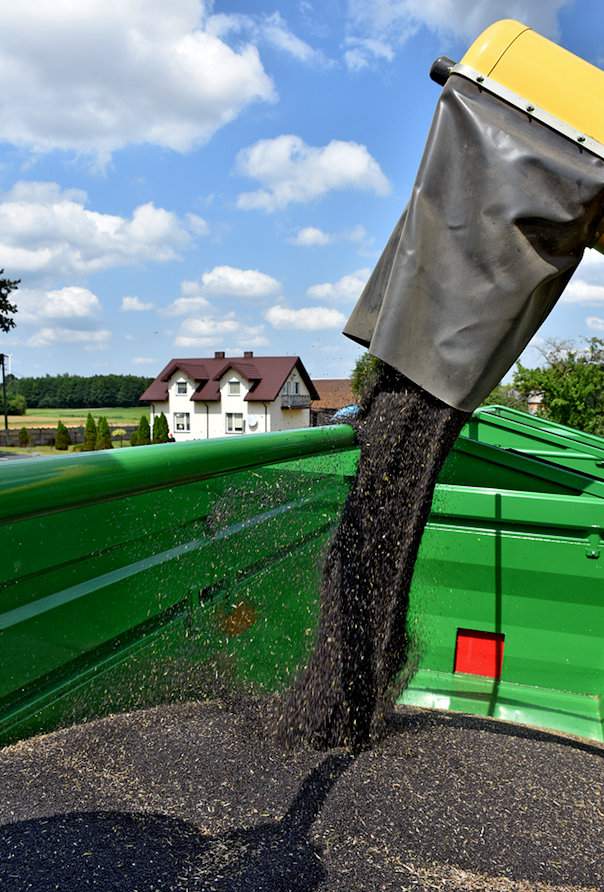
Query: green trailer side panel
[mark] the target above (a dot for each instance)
(197, 567)
(539, 438)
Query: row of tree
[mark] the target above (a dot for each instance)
(77, 391)
(98, 435)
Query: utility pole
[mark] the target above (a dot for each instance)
(2, 363)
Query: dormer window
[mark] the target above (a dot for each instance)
(234, 387)
(181, 388)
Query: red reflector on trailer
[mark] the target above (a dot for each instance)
(479, 653)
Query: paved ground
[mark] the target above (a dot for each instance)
(192, 797)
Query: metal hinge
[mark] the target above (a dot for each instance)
(592, 549)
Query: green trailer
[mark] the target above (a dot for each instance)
(141, 576)
(537, 437)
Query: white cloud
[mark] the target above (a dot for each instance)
(306, 318)
(90, 339)
(47, 232)
(209, 332)
(271, 29)
(581, 292)
(134, 304)
(182, 306)
(346, 289)
(37, 305)
(377, 26)
(310, 236)
(143, 360)
(596, 323)
(94, 76)
(291, 171)
(593, 261)
(363, 49)
(197, 224)
(234, 282)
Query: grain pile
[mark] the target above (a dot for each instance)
(190, 798)
(350, 682)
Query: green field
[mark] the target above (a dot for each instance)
(76, 417)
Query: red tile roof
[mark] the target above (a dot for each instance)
(334, 393)
(267, 375)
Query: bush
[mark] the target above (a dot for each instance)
(89, 444)
(134, 438)
(144, 433)
(364, 375)
(103, 435)
(160, 429)
(62, 438)
(23, 437)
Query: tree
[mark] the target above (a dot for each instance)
(7, 309)
(62, 438)
(161, 430)
(16, 405)
(23, 437)
(103, 434)
(506, 395)
(89, 444)
(571, 383)
(363, 374)
(143, 433)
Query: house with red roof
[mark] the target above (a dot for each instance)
(221, 396)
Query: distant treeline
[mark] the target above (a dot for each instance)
(79, 392)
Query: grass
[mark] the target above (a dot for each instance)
(50, 450)
(76, 417)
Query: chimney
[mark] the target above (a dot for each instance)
(219, 354)
(248, 354)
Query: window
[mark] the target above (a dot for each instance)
(181, 388)
(295, 386)
(234, 387)
(182, 422)
(234, 423)
(285, 388)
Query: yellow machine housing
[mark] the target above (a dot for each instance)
(548, 82)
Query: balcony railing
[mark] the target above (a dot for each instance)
(295, 401)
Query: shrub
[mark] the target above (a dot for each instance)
(62, 438)
(144, 434)
(89, 444)
(103, 434)
(119, 433)
(24, 437)
(134, 438)
(160, 429)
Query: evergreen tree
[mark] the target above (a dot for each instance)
(160, 429)
(103, 434)
(62, 438)
(144, 433)
(23, 437)
(89, 444)
(134, 438)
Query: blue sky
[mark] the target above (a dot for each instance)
(183, 177)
